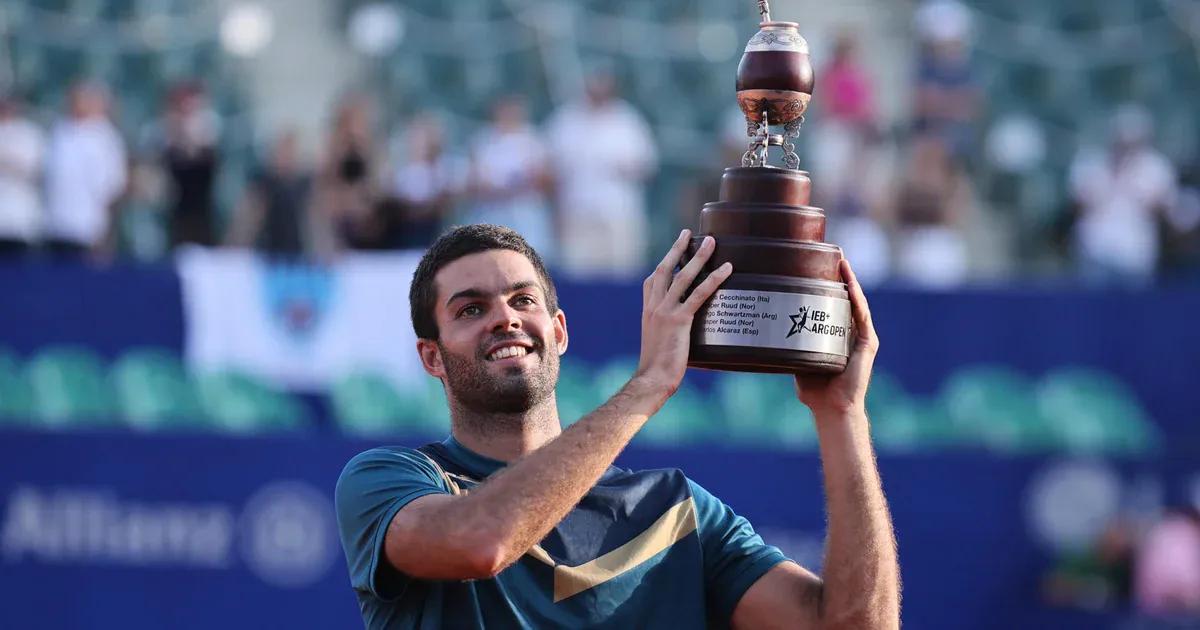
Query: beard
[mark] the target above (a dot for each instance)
(472, 383)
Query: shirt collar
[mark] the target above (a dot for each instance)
(479, 465)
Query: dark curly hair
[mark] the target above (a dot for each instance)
(454, 244)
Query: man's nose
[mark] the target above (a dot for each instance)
(505, 318)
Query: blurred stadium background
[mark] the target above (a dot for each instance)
(210, 211)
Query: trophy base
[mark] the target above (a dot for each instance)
(773, 324)
(765, 360)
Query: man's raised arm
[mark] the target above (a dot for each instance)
(860, 588)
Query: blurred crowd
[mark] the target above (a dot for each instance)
(61, 191)
(902, 204)
(1150, 565)
(906, 205)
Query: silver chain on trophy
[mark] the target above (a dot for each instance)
(761, 138)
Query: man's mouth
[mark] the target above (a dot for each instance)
(510, 349)
(508, 352)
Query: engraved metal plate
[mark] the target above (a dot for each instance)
(770, 319)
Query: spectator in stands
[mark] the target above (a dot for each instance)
(928, 210)
(947, 93)
(346, 188)
(21, 152)
(509, 177)
(705, 186)
(1167, 573)
(1122, 193)
(1097, 577)
(275, 214)
(86, 175)
(427, 182)
(1181, 241)
(845, 141)
(603, 154)
(190, 132)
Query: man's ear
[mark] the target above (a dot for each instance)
(431, 357)
(560, 331)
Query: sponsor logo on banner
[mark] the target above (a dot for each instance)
(287, 534)
(298, 297)
(284, 533)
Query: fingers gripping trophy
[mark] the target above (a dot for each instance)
(785, 308)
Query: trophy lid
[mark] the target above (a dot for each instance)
(778, 37)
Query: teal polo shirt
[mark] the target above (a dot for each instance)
(648, 549)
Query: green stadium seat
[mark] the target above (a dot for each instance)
(684, 419)
(762, 410)
(884, 392)
(903, 423)
(154, 391)
(612, 376)
(369, 404)
(285, 412)
(911, 425)
(1091, 411)
(234, 402)
(993, 406)
(577, 392)
(70, 388)
(16, 403)
(432, 413)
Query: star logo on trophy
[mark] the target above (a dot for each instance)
(798, 322)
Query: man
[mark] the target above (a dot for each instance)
(85, 177)
(509, 176)
(604, 153)
(189, 152)
(513, 522)
(947, 90)
(1122, 193)
(21, 149)
(274, 215)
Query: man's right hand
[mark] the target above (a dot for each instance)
(667, 316)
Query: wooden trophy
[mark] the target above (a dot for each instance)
(785, 307)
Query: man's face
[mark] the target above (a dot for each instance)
(88, 101)
(601, 88)
(498, 346)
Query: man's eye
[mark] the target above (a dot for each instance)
(525, 300)
(470, 310)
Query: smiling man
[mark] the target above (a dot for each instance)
(513, 522)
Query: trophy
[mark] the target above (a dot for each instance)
(784, 308)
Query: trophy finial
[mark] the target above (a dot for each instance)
(764, 11)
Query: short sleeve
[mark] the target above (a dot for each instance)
(734, 555)
(371, 489)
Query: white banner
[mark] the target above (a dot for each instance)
(298, 325)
